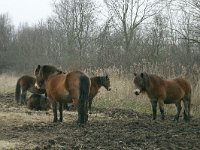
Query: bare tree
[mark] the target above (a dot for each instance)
(131, 13)
(76, 18)
(6, 32)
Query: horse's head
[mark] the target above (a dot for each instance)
(105, 81)
(141, 82)
(43, 72)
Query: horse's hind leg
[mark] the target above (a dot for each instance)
(89, 105)
(61, 111)
(54, 105)
(154, 108)
(161, 107)
(187, 103)
(178, 107)
(86, 111)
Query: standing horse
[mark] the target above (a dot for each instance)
(165, 92)
(38, 102)
(63, 88)
(96, 83)
(24, 84)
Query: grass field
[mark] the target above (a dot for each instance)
(121, 95)
(120, 120)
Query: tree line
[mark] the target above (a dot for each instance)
(134, 32)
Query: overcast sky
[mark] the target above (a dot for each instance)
(30, 11)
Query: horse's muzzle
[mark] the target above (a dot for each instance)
(37, 86)
(137, 92)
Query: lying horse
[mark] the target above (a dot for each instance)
(63, 88)
(96, 83)
(24, 84)
(165, 92)
(38, 102)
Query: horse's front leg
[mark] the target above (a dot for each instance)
(61, 111)
(161, 107)
(154, 107)
(187, 103)
(54, 105)
(178, 107)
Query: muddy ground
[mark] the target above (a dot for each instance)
(107, 129)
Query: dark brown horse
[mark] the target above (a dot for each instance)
(165, 92)
(63, 88)
(24, 84)
(38, 102)
(96, 83)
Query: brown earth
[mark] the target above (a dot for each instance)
(107, 129)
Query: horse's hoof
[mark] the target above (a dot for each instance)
(186, 120)
(55, 120)
(81, 125)
(176, 120)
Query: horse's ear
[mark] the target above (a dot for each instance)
(37, 70)
(135, 74)
(60, 71)
(143, 74)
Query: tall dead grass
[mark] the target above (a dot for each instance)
(121, 95)
(7, 82)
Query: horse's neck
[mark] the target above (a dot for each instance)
(155, 81)
(94, 83)
(98, 81)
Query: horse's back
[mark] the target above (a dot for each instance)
(177, 89)
(170, 89)
(72, 83)
(26, 80)
(184, 84)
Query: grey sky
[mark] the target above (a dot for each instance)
(30, 11)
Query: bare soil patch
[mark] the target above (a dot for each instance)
(110, 128)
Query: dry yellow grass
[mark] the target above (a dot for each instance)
(121, 95)
(7, 82)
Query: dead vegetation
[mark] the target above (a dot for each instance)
(107, 129)
(119, 120)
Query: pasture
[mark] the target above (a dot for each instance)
(119, 120)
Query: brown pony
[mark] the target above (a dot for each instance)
(24, 84)
(96, 83)
(63, 88)
(38, 102)
(165, 92)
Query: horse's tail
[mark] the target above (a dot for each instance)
(84, 97)
(17, 91)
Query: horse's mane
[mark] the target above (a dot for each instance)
(97, 79)
(155, 79)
